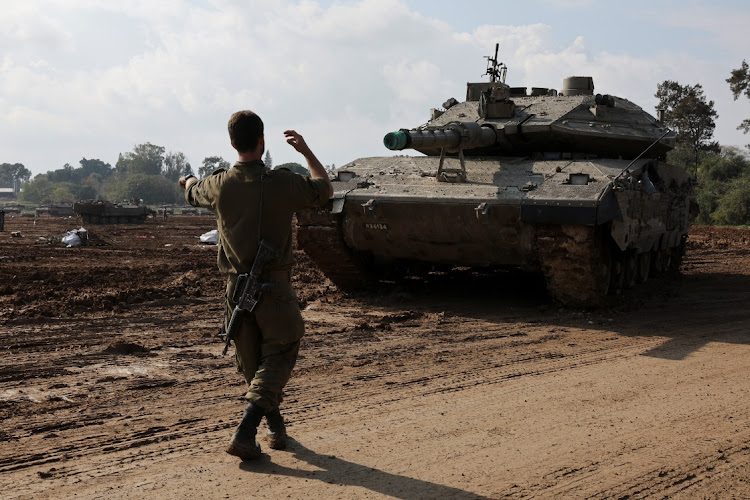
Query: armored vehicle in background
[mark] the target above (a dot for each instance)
(570, 184)
(12, 208)
(104, 212)
(56, 210)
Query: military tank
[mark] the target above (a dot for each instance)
(571, 184)
(56, 210)
(104, 212)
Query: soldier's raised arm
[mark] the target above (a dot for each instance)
(317, 171)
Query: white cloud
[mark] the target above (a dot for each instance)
(93, 78)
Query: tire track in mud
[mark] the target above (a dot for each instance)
(410, 383)
(665, 481)
(65, 435)
(352, 370)
(370, 390)
(496, 358)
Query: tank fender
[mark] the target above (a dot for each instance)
(609, 209)
(338, 205)
(606, 209)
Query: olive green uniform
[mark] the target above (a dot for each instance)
(252, 203)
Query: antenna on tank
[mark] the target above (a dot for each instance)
(496, 70)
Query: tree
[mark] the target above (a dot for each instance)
(38, 190)
(211, 164)
(85, 192)
(739, 83)
(724, 191)
(152, 189)
(144, 159)
(9, 172)
(98, 167)
(65, 174)
(294, 167)
(686, 110)
(90, 187)
(330, 168)
(733, 208)
(732, 163)
(267, 161)
(62, 194)
(176, 166)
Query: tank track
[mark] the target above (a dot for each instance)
(103, 219)
(319, 235)
(583, 266)
(576, 262)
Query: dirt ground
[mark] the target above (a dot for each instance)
(112, 383)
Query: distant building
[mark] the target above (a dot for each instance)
(11, 192)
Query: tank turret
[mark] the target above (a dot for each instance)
(503, 121)
(572, 184)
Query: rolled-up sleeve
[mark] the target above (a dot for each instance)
(200, 194)
(308, 192)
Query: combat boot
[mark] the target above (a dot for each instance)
(276, 433)
(243, 442)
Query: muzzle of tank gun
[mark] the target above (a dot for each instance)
(465, 135)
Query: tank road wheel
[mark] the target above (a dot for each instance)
(677, 253)
(604, 269)
(617, 278)
(660, 262)
(96, 219)
(631, 270)
(644, 266)
(576, 262)
(656, 264)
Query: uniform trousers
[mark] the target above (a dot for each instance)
(267, 340)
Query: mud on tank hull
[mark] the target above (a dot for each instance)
(592, 227)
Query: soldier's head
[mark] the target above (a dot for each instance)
(246, 131)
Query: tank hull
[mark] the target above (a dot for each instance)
(585, 224)
(570, 184)
(100, 212)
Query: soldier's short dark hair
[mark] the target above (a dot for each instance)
(245, 130)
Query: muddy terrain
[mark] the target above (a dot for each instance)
(454, 385)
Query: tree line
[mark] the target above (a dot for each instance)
(722, 172)
(150, 173)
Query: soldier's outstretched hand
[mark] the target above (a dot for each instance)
(297, 142)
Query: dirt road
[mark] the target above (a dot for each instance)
(112, 383)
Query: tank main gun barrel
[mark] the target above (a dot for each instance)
(455, 135)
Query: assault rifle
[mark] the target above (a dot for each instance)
(248, 288)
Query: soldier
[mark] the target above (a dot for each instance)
(253, 203)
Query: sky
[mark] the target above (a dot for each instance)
(93, 78)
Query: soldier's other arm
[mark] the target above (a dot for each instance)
(198, 193)
(187, 181)
(317, 171)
